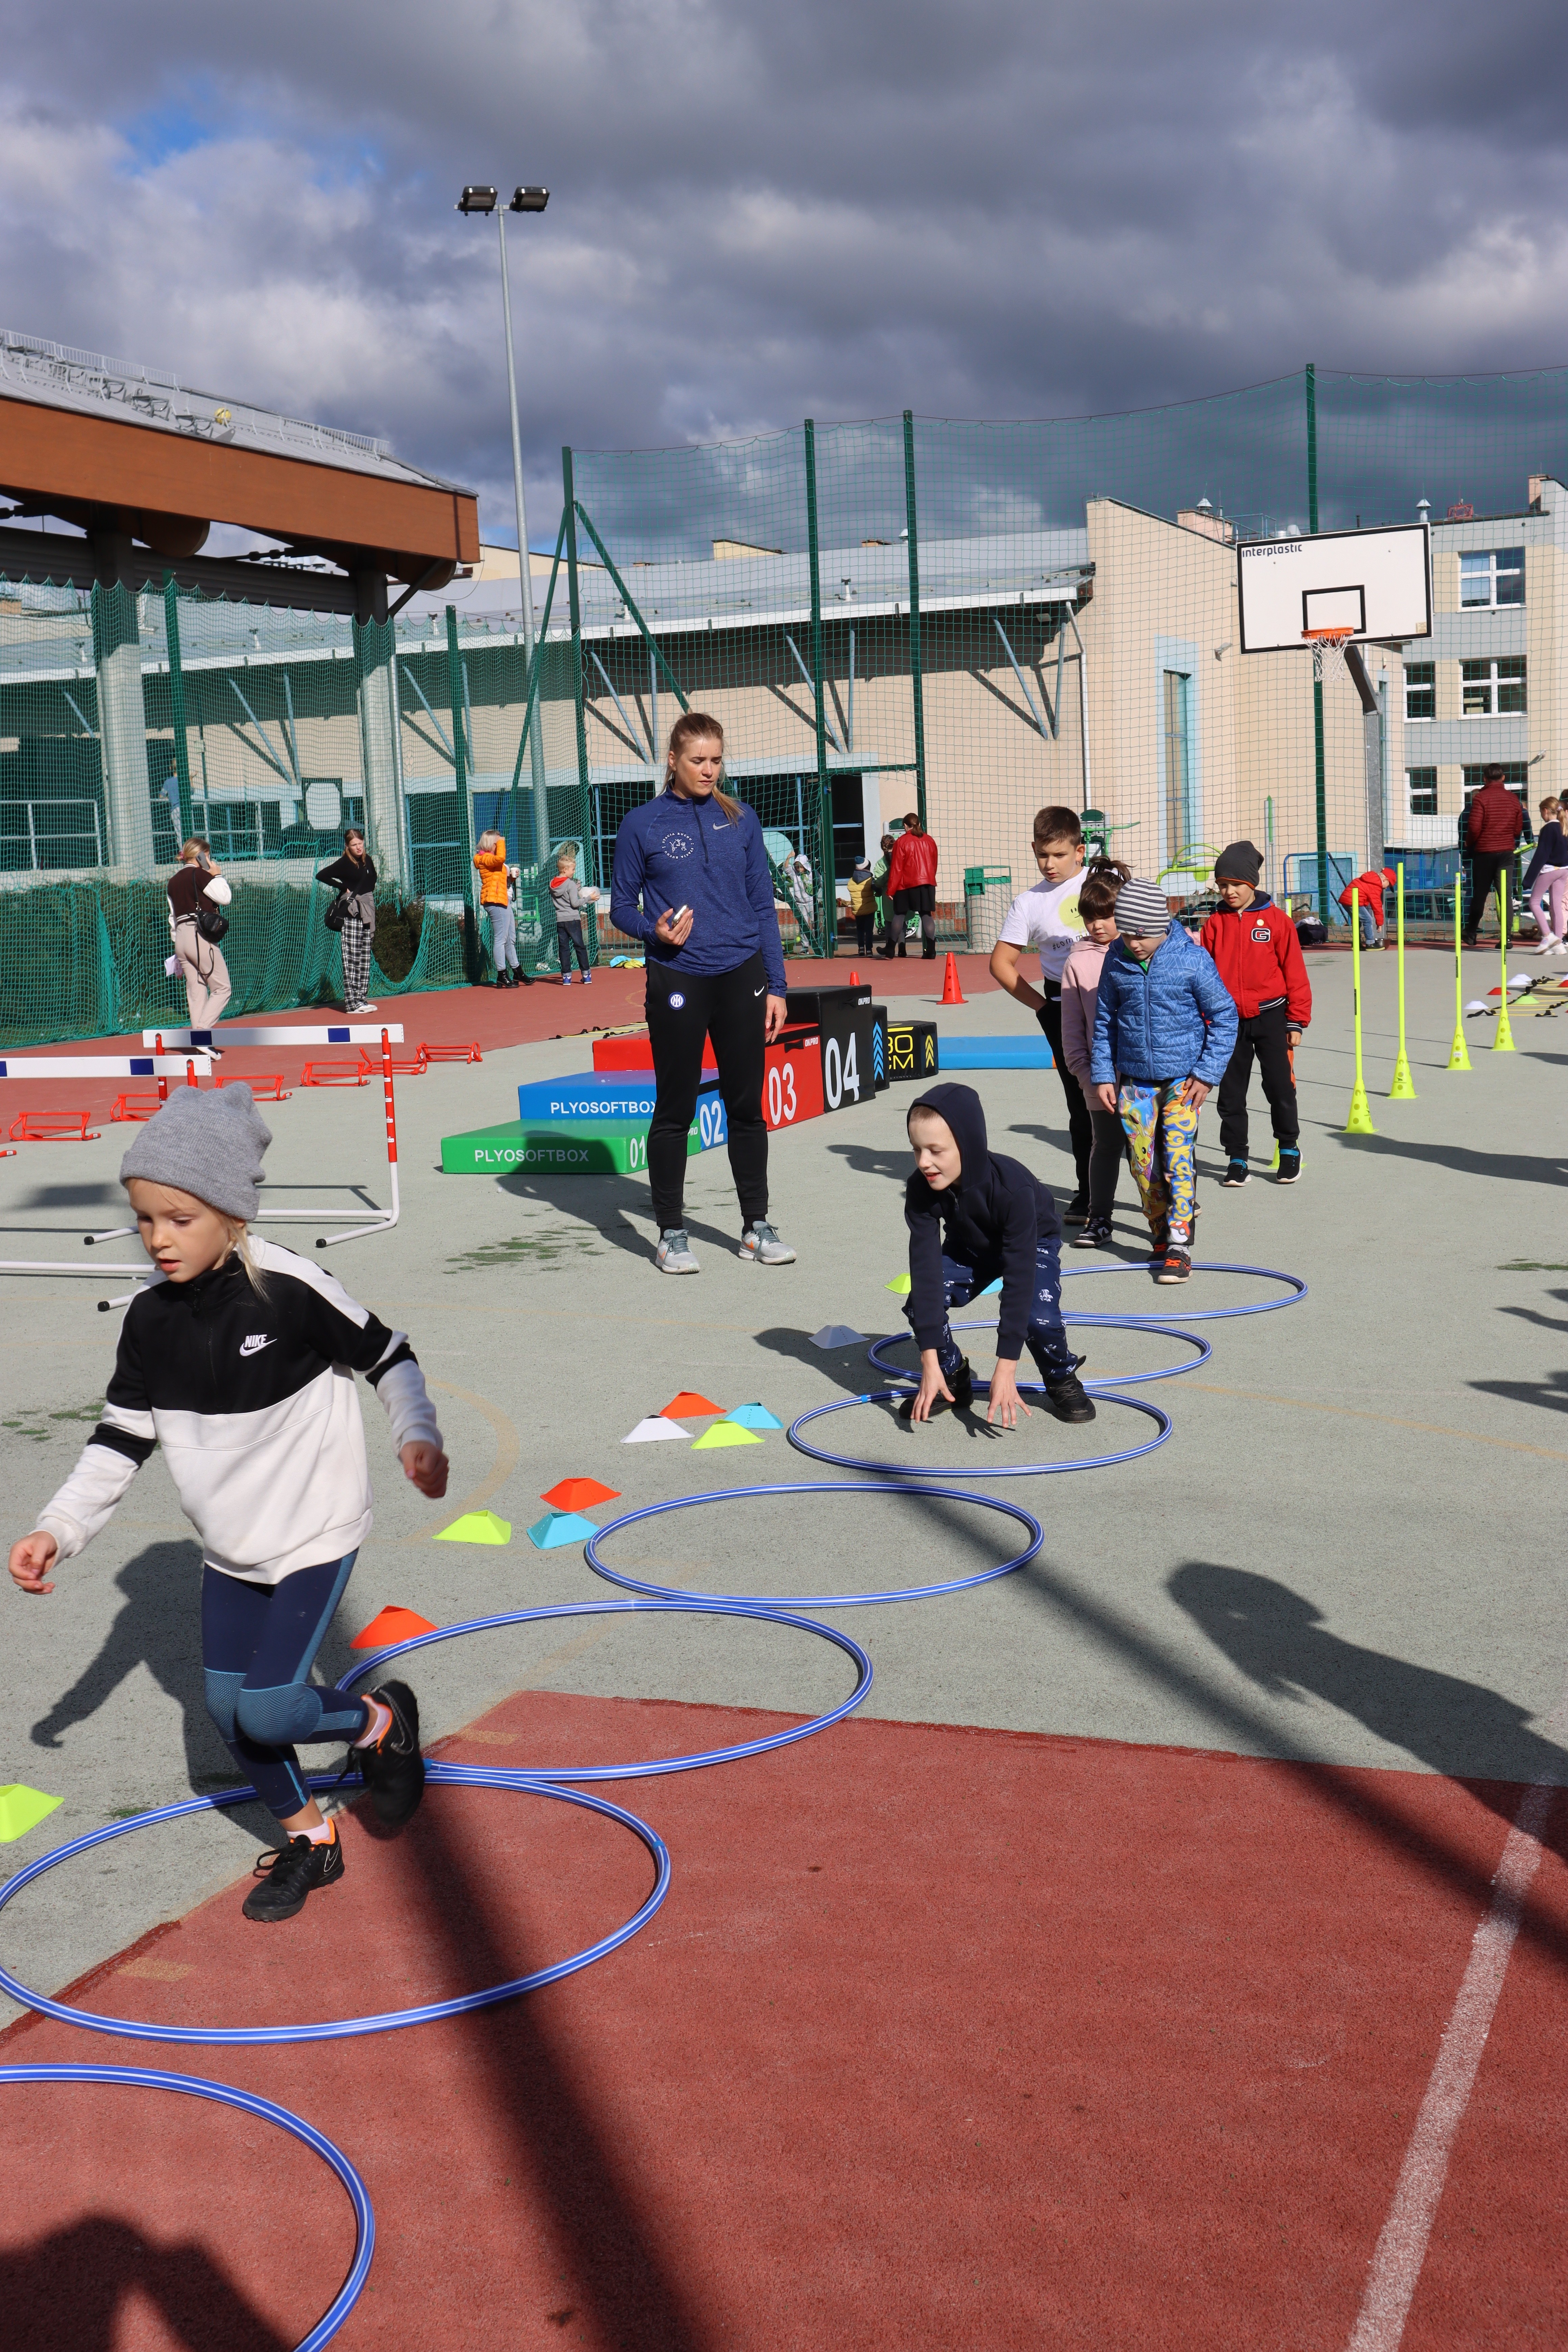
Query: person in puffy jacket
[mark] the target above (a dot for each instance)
(1164, 1029)
(911, 888)
(1258, 955)
(1494, 823)
(1363, 896)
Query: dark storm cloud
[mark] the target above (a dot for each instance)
(760, 212)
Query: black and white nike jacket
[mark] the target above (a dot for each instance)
(252, 1399)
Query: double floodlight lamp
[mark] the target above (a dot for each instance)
(485, 200)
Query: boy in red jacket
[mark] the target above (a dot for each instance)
(1369, 888)
(1255, 947)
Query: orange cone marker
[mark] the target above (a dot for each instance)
(950, 991)
(393, 1625)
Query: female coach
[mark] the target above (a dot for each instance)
(692, 882)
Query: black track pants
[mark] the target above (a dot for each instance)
(731, 1007)
(1080, 1125)
(1263, 1035)
(1490, 869)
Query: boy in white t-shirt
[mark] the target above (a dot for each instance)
(1045, 917)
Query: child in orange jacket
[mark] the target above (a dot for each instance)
(1259, 957)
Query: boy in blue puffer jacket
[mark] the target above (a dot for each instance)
(1163, 1032)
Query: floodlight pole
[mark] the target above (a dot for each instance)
(525, 579)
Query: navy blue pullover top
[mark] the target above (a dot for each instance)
(673, 853)
(997, 1214)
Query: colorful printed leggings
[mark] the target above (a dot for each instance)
(1162, 1130)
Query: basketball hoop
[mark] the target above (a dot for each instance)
(1328, 646)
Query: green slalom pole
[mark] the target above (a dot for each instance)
(1459, 1052)
(1360, 1119)
(1503, 1042)
(1404, 1087)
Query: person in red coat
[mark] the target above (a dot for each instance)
(911, 889)
(1259, 957)
(1493, 823)
(1369, 888)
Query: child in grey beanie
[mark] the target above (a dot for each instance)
(239, 1361)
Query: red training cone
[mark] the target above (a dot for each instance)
(950, 991)
(393, 1625)
(854, 977)
(580, 1495)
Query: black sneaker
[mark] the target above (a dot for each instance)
(1290, 1164)
(1068, 1399)
(394, 1769)
(1175, 1266)
(1096, 1235)
(289, 1874)
(1077, 1210)
(1235, 1175)
(960, 1383)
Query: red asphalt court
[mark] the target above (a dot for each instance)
(944, 2038)
(488, 1017)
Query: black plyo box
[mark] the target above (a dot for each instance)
(912, 1050)
(814, 1004)
(880, 1079)
(849, 1052)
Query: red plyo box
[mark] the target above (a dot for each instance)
(791, 1077)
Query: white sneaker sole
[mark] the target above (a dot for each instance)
(773, 1258)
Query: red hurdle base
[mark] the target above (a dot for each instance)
(452, 1053)
(335, 1074)
(268, 1089)
(134, 1106)
(414, 1069)
(53, 1126)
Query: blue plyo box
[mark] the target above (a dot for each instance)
(597, 1094)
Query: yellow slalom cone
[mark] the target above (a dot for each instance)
(1360, 1119)
(1502, 1041)
(1459, 1052)
(1404, 1087)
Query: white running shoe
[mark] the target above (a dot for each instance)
(673, 1255)
(760, 1246)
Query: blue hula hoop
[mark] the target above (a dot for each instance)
(737, 1603)
(693, 1607)
(1298, 1291)
(1093, 1388)
(461, 1776)
(148, 2078)
(914, 1470)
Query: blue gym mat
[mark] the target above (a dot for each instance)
(992, 1053)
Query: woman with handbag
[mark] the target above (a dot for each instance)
(353, 913)
(196, 892)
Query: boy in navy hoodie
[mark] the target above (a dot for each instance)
(973, 1215)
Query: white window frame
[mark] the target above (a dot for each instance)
(1420, 678)
(1502, 670)
(1412, 788)
(1510, 561)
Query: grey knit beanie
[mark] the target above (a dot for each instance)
(1142, 911)
(208, 1144)
(1239, 863)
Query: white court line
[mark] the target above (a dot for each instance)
(1402, 2248)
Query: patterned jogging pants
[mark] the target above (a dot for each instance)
(356, 962)
(1162, 1131)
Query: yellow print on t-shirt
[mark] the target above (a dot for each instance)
(1067, 914)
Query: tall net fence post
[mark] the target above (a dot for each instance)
(1320, 766)
(917, 681)
(177, 707)
(826, 892)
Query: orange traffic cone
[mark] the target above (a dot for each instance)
(950, 991)
(854, 977)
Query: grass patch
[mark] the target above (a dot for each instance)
(547, 1248)
(36, 1425)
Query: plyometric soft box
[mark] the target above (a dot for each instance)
(577, 1146)
(912, 1049)
(637, 1054)
(630, 1096)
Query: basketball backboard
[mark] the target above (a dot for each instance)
(1375, 583)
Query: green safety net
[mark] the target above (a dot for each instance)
(966, 621)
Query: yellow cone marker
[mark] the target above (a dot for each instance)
(1404, 1087)
(1459, 1052)
(1360, 1119)
(477, 1527)
(22, 1808)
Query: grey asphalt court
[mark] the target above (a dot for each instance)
(1347, 1550)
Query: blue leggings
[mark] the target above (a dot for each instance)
(258, 1641)
(1044, 1338)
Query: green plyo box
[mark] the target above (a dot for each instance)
(607, 1147)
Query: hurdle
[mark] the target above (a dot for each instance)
(158, 1064)
(380, 1223)
(333, 1033)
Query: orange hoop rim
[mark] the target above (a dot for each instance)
(1328, 636)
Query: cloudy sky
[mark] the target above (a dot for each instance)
(760, 212)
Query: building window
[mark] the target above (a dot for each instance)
(1420, 690)
(1421, 791)
(1177, 792)
(1515, 775)
(1493, 689)
(1491, 578)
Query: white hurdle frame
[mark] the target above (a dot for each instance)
(335, 1033)
(376, 1223)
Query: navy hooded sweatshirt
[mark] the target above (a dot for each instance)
(993, 1217)
(671, 851)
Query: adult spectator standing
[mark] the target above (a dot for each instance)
(911, 889)
(1493, 823)
(196, 890)
(692, 882)
(354, 875)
